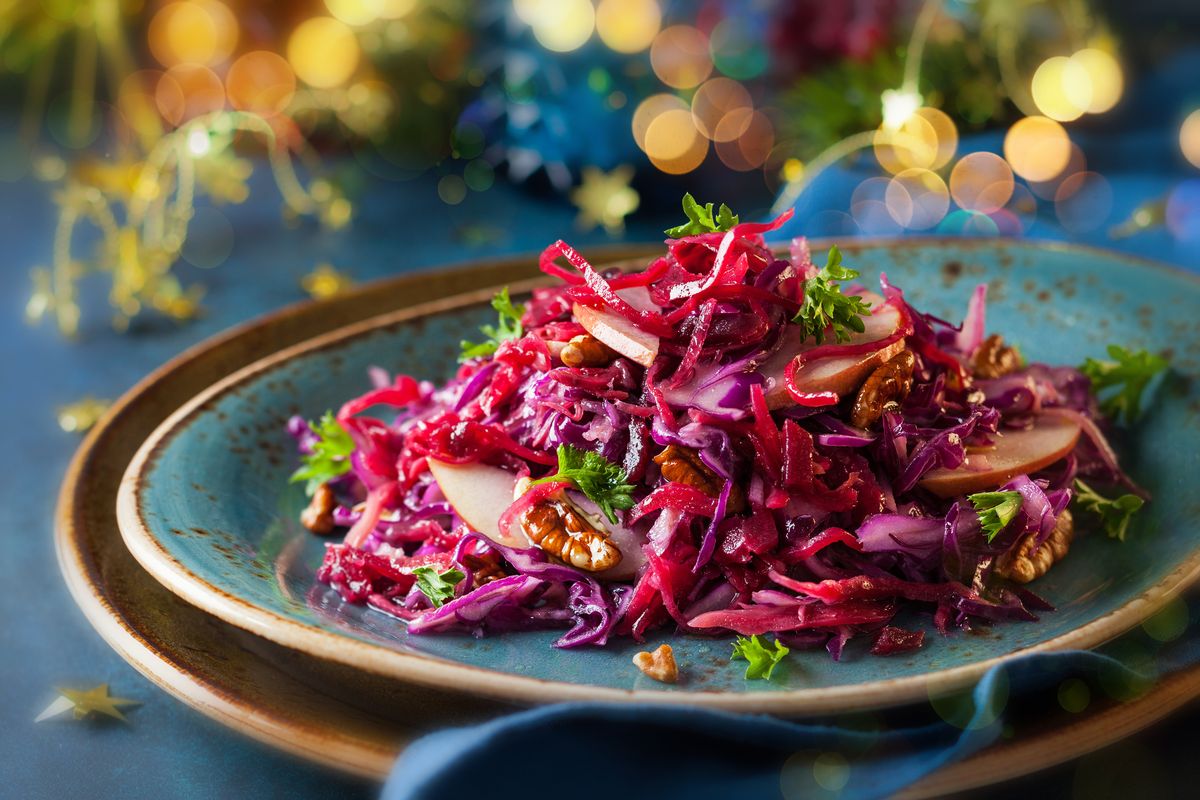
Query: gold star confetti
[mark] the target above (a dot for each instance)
(86, 702)
(605, 198)
(325, 282)
(1148, 215)
(77, 417)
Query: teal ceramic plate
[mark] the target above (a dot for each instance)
(206, 507)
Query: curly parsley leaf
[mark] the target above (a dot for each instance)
(330, 456)
(605, 483)
(1114, 514)
(1119, 383)
(506, 329)
(826, 307)
(439, 588)
(995, 510)
(702, 220)
(762, 659)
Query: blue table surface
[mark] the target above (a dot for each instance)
(169, 750)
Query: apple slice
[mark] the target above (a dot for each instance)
(1052, 437)
(479, 494)
(840, 374)
(619, 333)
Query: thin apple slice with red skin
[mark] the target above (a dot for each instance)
(839, 374)
(619, 333)
(1050, 439)
(479, 494)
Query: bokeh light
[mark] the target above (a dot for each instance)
(1076, 162)
(868, 206)
(323, 52)
(648, 110)
(354, 12)
(1083, 202)
(917, 198)
(1189, 138)
(1105, 80)
(193, 32)
(559, 25)
(981, 182)
(136, 99)
(831, 771)
(1062, 89)
(188, 90)
(964, 222)
(751, 146)
(927, 139)
(713, 100)
(1037, 148)
(680, 57)
(628, 26)
(737, 49)
(673, 144)
(452, 189)
(1074, 695)
(260, 81)
(1183, 211)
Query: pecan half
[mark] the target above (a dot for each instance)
(484, 569)
(586, 350)
(556, 526)
(1029, 564)
(995, 359)
(659, 664)
(684, 465)
(889, 384)
(318, 516)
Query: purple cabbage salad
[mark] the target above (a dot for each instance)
(728, 441)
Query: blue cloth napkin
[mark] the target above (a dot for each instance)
(604, 751)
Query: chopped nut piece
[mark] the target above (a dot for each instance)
(888, 385)
(1028, 566)
(659, 664)
(484, 569)
(683, 465)
(995, 359)
(318, 516)
(556, 526)
(586, 350)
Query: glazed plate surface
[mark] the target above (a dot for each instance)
(207, 509)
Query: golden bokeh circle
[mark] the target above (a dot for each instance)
(713, 100)
(192, 32)
(260, 81)
(1061, 89)
(680, 57)
(1037, 148)
(648, 110)
(1105, 79)
(917, 198)
(628, 26)
(561, 25)
(752, 145)
(981, 182)
(188, 90)
(1189, 138)
(673, 144)
(324, 52)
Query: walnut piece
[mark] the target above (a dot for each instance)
(318, 516)
(659, 664)
(484, 569)
(683, 465)
(889, 384)
(995, 359)
(586, 350)
(1028, 564)
(556, 526)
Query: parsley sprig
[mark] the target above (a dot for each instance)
(995, 510)
(507, 328)
(762, 659)
(604, 483)
(330, 456)
(1114, 514)
(701, 219)
(826, 307)
(438, 587)
(1121, 381)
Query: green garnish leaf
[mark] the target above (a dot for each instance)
(439, 588)
(995, 510)
(702, 220)
(1119, 383)
(604, 483)
(1114, 514)
(761, 657)
(826, 307)
(330, 456)
(506, 329)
